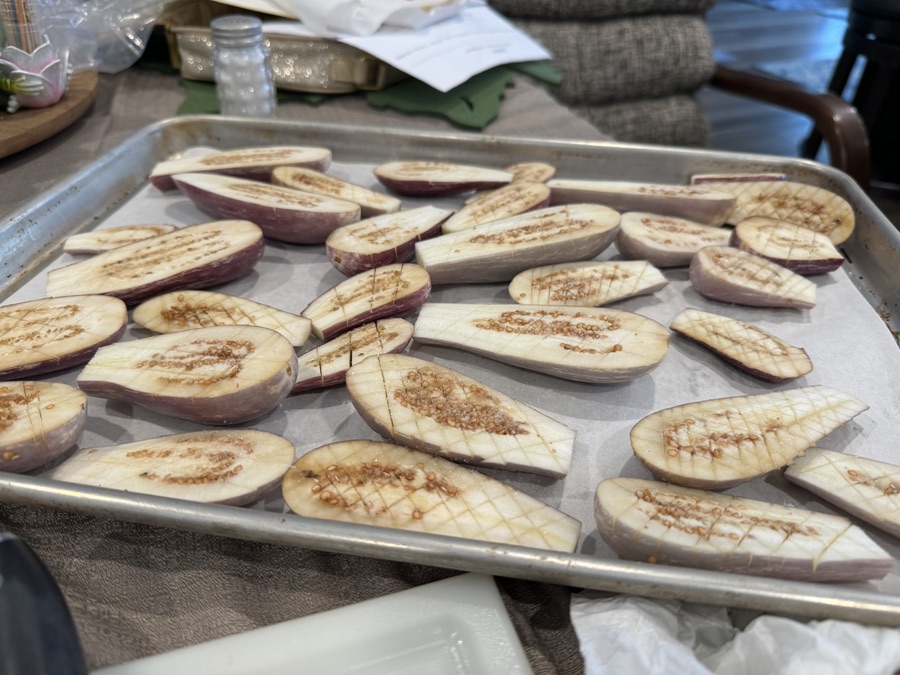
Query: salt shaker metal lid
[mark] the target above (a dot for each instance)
(236, 30)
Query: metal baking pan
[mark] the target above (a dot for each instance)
(845, 334)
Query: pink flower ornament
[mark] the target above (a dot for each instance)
(33, 80)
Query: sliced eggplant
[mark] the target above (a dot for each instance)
(98, 241)
(531, 172)
(744, 345)
(504, 202)
(584, 344)
(585, 284)
(221, 466)
(430, 179)
(435, 409)
(181, 310)
(382, 484)
(703, 205)
(723, 442)
(283, 213)
(865, 488)
(46, 335)
(799, 249)
(39, 421)
(382, 240)
(252, 163)
(371, 203)
(730, 275)
(218, 375)
(379, 293)
(654, 522)
(702, 178)
(665, 241)
(327, 365)
(196, 256)
(498, 251)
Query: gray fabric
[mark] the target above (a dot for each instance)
(596, 9)
(674, 120)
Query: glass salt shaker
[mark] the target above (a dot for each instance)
(241, 66)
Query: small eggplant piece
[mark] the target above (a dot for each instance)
(792, 246)
(284, 214)
(504, 202)
(371, 203)
(39, 421)
(703, 205)
(498, 251)
(744, 345)
(251, 163)
(720, 443)
(196, 256)
(327, 364)
(523, 172)
(98, 241)
(585, 284)
(731, 275)
(382, 484)
(50, 334)
(431, 179)
(584, 344)
(379, 293)
(432, 408)
(665, 241)
(382, 240)
(865, 488)
(218, 375)
(221, 466)
(181, 310)
(649, 521)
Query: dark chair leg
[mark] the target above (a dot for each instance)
(836, 86)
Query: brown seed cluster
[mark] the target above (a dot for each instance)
(367, 336)
(167, 250)
(279, 195)
(215, 459)
(747, 267)
(380, 283)
(200, 362)
(247, 156)
(23, 329)
(547, 227)
(549, 322)
(887, 487)
(751, 339)
(692, 436)
(672, 191)
(186, 314)
(661, 227)
(421, 169)
(12, 403)
(577, 284)
(797, 207)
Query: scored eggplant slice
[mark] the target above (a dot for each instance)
(584, 344)
(586, 283)
(196, 256)
(181, 310)
(327, 364)
(730, 275)
(655, 522)
(379, 293)
(382, 484)
(432, 408)
(498, 251)
(98, 241)
(430, 179)
(218, 375)
(792, 246)
(865, 488)
(504, 202)
(50, 334)
(371, 203)
(723, 442)
(39, 421)
(744, 345)
(665, 241)
(221, 466)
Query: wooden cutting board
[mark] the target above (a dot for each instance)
(28, 126)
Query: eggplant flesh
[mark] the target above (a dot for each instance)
(429, 179)
(98, 241)
(371, 203)
(797, 248)
(665, 241)
(504, 202)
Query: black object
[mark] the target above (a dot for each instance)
(37, 635)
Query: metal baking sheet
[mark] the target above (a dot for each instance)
(849, 337)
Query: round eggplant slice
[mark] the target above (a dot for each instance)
(665, 241)
(429, 179)
(792, 246)
(98, 241)
(371, 203)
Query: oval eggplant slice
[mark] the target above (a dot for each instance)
(498, 251)
(371, 203)
(435, 409)
(670, 525)
(744, 345)
(98, 241)
(585, 284)
(327, 365)
(702, 205)
(283, 213)
(218, 375)
(505, 202)
(865, 488)
(39, 421)
(252, 163)
(382, 484)
(581, 344)
(797, 248)
(731, 275)
(665, 241)
(392, 290)
(46, 335)
(221, 466)
(196, 256)
(181, 310)
(723, 442)
(531, 172)
(429, 179)
(382, 240)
